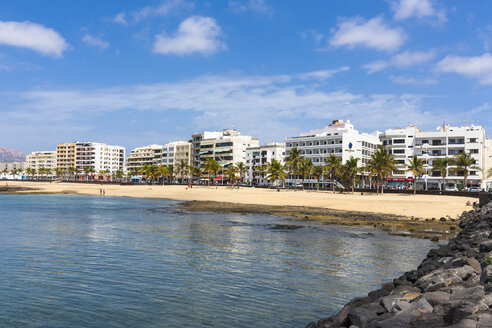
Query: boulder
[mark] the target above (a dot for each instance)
(485, 246)
(360, 317)
(486, 274)
(474, 264)
(438, 279)
(437, 297)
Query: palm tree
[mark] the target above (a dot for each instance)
(241, 169)
(30, 171)
(381, 165)
(417, 167)
(464, 162)
(150, 172)
(442, 164)
(333, 165)
(275, 172)
(182, 169)
(351, 169)
(292, 161)
(318, 173)
(261, 170)
(163, 171)
(196, 172)
(118, 175)
(89, 170)
(213, 168)
(305, 169)
(59, 171)
(231, 174)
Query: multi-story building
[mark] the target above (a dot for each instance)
(447, 141)
(196, 140)
(488, 164)
(227, 147)
(257, 157)
(99, 156)
(9, 166)
(182, 152)
(41, 159)
(339, 138)
(147, 155)
(65, 155)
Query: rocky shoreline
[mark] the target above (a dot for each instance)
(452, 287)
(439, 228)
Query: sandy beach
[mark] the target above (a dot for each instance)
(406, 206)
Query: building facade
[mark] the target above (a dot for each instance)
(257, 159)
(339, 138)
(147, 155)
(65, 155)
(41, 159)
(227, 147)
(447, 141)
(9, 166)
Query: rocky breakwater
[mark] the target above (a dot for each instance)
(452, 287)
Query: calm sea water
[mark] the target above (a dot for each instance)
(83, 261)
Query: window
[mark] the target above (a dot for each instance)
(399, 141)
(398, 151)
(473, 139)
(474, 151)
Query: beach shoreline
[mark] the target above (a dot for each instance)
(418, 215)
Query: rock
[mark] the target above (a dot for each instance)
(484, 320)
(473, 294)
(485, 246)
(326, 323)
(437, 297)
(474, 264)
(438, 279)
(465, 323)
(311, 325)
(383, 291)
(341, 318)
(402, 306)
(360, 316)
(374, 308)
(486, 274)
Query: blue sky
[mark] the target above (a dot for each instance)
(141, 72)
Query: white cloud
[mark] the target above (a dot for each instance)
(271, 107)
(195, 34)
(95, 42)
(162, 10)
(120, 18)
(259, 6)
(323, 74)
(405, 9)
(412, 80)
(373, 33)
(402, 60)
(32, 36)
(479, 67)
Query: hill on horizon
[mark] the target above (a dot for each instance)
(11, 155)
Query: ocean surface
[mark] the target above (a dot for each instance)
(88, 261)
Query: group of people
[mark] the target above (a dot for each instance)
(102, 192)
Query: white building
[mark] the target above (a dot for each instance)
(227, 147)
(447, 141)
(260, 156)
(488, 163)
(176, 151)
(41, 159)
(147, 155)
(99, 156)
(9, 166)
(338, 138)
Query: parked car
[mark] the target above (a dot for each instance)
(451, 189)
(475, 189)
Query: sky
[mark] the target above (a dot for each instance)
(134, 73)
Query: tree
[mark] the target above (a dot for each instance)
(150, 172)
(196, 172)
(213, 168)
(305, 169)
(231, 174)
(381, 165)
(275, 172)
(318, 173)
(442, 164)
(182, 169)
(30, 171)
(261, 170)
(59, 172)
(89, 170)
(417, 167)
(118, 175)
(292, 161)
(464, 162)
(351, 169)
(163, 171)
(333, 165)
(241, 169)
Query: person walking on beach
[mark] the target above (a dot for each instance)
(100, 192)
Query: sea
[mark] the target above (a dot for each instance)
(97, 261)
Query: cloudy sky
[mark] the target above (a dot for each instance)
(140, 72)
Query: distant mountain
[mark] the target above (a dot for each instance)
(11, 155)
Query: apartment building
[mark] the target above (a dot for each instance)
(147, 155)
(488, 163)
(97, 155)
(182, 152)
(9, 166)
(339, 138)
(447, 141)
(259, 156)
(65, 155)
(227, 147)
(41, 159)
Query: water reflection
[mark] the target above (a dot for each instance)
(85, 261)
